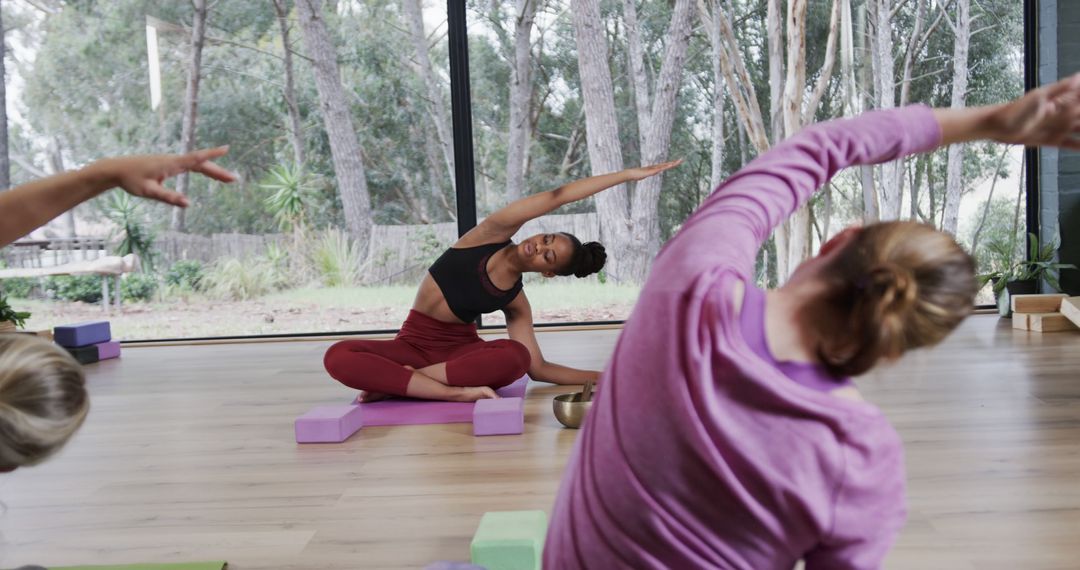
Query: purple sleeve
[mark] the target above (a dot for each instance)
(730, 226)
(869, 509)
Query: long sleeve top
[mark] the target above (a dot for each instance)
(699, 453)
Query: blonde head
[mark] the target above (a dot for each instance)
(43, 399)
(896, 286)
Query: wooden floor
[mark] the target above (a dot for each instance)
(188, 454)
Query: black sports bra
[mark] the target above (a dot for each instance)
(462, 276)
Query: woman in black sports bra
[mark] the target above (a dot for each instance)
(437, 355)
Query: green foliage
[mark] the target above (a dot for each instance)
(431, 247)
(337, 259)
(186, 275)
(85, 288)
(19, 287)
(1040, 264)
(242, 279)
(7, 313)
(138, 287)
(290, 194)
(135, 235)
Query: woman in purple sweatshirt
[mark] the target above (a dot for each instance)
(727, 433)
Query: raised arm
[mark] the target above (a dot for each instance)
(26, 207)
(519, 326)
(504, 223)
(733, 222)
(730, 226)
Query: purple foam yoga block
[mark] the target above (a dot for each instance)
(499, 417)
(415, 412)
(453, 566)
(328, 424)
(82, 334)
(515, 390)
(108, 350)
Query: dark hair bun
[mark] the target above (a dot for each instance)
(590, 260)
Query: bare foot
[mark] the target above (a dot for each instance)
(472, 394)
(367, 397)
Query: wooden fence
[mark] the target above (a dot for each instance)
(396, 254)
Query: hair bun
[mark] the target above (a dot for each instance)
(895, 287)
(593, 257)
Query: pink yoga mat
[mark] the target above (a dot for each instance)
(414, 412)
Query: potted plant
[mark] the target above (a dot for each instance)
(1022, 277)
(10, 319)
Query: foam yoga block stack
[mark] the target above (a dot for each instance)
(504, 416)
(88, 342)
(510, 540)
(328, 424)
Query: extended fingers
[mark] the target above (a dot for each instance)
(214, 171)
(155, 191)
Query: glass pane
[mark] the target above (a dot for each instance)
(293, 246)
(721, 119)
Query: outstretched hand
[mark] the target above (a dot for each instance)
(643, 172)
(1049, 116)
(143, 176)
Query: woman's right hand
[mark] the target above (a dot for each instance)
(643, 172)
(1048, 116)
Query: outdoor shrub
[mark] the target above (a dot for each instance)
(138, 287)
(186, 274)
(85, 288)
(19, 287)
(242, 279)
(337, 259)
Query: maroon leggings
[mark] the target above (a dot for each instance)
(379, 365)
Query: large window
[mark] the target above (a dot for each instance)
(332, 225)
(333, 220)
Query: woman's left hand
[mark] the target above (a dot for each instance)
(643, 172)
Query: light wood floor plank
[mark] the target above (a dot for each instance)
(188, 454)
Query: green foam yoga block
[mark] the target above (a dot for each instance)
(510, 540)
(215, 565)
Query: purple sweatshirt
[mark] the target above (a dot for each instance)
(699, 453)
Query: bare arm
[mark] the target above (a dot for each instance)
(26, 207)
(504, 223)
(519, 325)
(1049, 116)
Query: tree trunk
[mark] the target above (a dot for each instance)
(989, 201)
(636, 55)
(792, 243)
(826, 72)
(954, 181)
(740, 84)
(438, 114)
(891, 181)
(602, 134)
(711, 23)
(191, 103)
(56, 165)
(914, 44)
(1021, 192)
(296, 133)
(517, 145)
(5, 163)
(775, 30)
(645, 207)
(344, 146)
(871, 212)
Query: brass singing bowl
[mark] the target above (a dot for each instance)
(570, 409)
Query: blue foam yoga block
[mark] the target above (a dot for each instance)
(82, 334)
